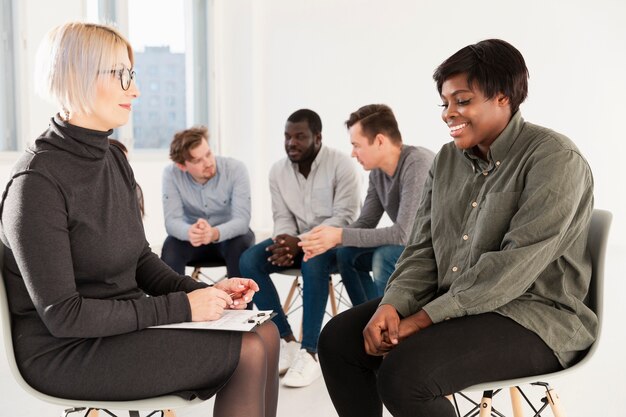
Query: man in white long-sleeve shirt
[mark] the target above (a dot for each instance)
(206, 205)
(396, 180)
(313, 185)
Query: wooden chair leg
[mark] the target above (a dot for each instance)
(333, 300)
(292, 291)
(485, 404)
(555, 403)
(516, 402)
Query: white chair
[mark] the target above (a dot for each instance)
(198, 275)
(335, 293)
(164, 404)
(596, 245)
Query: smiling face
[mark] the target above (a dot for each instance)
(301, 144)
(201, 164)
(112, 104)
(474, 121)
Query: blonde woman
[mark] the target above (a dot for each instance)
(83, 282)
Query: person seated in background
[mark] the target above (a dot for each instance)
(396, 179)
(206, 205)
(493, 281)
(314, 185)
(138, 189)
(83, 285)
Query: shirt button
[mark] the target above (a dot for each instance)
(454, 269)
(485, 173)
(474, 204)
(497, 163)
(465, 237)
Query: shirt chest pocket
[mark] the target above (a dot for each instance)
(322, 201)
(217, 201)
(493, 219)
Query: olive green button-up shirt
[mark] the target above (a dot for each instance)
(506, 235)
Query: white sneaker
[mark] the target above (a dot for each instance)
(288, 353)
(303, 372)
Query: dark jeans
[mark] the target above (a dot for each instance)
(355, 263)
(415, 376)
(178, 253)
(315, 275)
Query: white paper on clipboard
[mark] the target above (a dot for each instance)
(233, 320)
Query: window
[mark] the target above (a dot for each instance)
(8, 117)
(159, 61)
(161, 57)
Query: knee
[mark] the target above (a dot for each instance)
(328, 337)
(342, 253)
(251, 259)
(316, 268)
(400, 384)
(170, 247)
(330, 348)
(344, 256)
(340, 337)
(385, 258)
(269, 333)
(240, 244)
(253, 351)
(386, 255)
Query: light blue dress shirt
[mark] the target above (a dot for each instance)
(223, 201)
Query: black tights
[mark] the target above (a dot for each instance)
(413, 379)
(252, 390)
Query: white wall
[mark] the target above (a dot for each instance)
(335, 55)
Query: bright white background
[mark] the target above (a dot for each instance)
(275, 56)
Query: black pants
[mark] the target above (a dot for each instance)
(413, 379)
(178, 253)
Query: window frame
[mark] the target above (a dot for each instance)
(197, 13)
(9, 128)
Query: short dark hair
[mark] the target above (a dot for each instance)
(186, 140)
(494, 65)
(375, 119)
(312, 118)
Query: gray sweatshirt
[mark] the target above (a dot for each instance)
(398, 195)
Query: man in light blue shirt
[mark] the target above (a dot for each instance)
(206, 205)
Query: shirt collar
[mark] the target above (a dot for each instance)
(316, 162)
(500, 147)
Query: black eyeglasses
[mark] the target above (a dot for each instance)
(125, 75)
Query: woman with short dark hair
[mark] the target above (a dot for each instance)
(492, 283)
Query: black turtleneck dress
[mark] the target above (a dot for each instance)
(83, 283)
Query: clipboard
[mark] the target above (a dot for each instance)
(231, 320)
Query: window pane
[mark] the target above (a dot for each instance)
(160, 66)
(8, 134)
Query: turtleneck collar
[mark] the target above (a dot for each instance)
(86, 143)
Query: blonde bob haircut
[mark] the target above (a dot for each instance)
(72, 58)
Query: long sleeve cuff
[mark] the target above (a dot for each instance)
(442, 308)
(401, 300)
